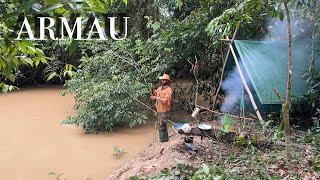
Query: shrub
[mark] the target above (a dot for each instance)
(105, 85)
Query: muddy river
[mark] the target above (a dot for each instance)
(34, 143)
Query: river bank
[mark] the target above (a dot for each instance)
(213, 159)
(159, 156)
(34, 143)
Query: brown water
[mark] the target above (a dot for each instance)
(32, 142)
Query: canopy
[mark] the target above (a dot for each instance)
(266, 66)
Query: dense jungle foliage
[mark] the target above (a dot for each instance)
(106, 83)
(164, 36)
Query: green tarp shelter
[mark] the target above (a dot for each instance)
(265, 64)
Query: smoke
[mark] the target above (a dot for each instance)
(232, 86)
(301, 26)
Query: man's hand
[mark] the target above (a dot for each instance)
(153, 97)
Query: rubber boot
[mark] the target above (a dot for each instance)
(163, 133)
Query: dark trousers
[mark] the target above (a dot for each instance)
(162, 124)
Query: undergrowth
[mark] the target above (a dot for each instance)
(245, 161)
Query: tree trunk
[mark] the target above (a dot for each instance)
(287, 104)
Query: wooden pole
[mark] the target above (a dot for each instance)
(226, 40)
(287, 104)
(221, 113)
(223, 67)
(245, 84)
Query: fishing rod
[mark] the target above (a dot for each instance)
(134, 98)
(144, 104)
(149, 108)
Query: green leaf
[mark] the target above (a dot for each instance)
(226, 123)
(40, 52)
(3, 64)
(53, 7)
(281, 16)
(8, 16)
(37, 61)
(6, 88)
(51, 76)
(26, 61)
(125, 2)
(205, 168)
(11, 77)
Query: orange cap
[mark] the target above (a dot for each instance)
(165, 76)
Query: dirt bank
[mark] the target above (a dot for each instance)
(162, 155)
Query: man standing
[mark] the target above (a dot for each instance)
(163, 96)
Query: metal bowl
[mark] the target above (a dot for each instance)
(204, 126)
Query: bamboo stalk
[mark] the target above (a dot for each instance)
(245, 83)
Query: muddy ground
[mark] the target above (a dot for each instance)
(161, 155)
